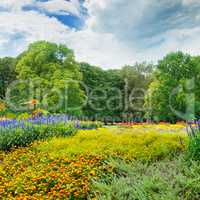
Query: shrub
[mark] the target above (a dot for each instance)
(39, 112)
(10, 115)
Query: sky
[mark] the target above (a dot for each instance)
(106, 33)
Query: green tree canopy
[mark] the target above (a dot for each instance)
(170, 94)
(136, 80)
(103, 88)
(116, 94)
(7, 74)
(48, 72)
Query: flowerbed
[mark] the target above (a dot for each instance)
(125, 143)
(26, 174)
(14, 133)
(68, 167)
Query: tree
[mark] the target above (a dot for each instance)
(171, 91)
(136, 80)
(7, 74)
(49, 73)
(116, 93)
(104, 90)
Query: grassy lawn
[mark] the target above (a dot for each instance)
(140, 163)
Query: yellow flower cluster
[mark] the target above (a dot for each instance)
(131, 143)
(161, 128)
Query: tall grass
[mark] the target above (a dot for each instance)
(169, 179)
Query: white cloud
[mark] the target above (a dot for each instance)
(102, 47)
(53, 6)
(116, 32)
(61, 6)
(188, 2)
(120, 32)
(99, 49)
(15, 5)
(25, 27)
(90, 46)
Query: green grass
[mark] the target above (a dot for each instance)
(169, 179)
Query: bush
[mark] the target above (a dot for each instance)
(39, 112)
(193, 130)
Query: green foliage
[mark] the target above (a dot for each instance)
(136, 82)
(170, 93)
(7, 74)
(23, 116)
(49, 73)
(10, 115)
(194, 147)
(87, 125)
(110, 91)
(3, 108)
(10, 138)
(103, 88)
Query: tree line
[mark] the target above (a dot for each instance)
(48, 72)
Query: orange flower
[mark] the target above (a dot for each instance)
(34, 101)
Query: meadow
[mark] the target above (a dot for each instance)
(139, 162)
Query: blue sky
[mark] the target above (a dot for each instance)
(108, 33)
